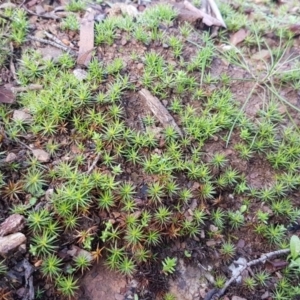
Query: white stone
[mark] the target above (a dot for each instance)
(20, 115)
(41, 155)
(9, 243)
(10, 157)
(80, 74)
(236, 268)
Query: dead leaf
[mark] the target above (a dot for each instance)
(85, 58)
(10, 157)
(274, 266)
(123, 9)
(7, 5)
(75, 251)
(20, 115)
(261, 55)
(206, 19)
(238, 37)
(86, 41)
(80, 74)
(159, 111)
(41, 155)
(279, 264)
(31, 3)
(210, 7)
(237, 298)
(12, 224)
(38, 263)
(30, 87)
(185, 15)
(295, 28)
(225, 48)
(6, 95)
(9, 243)
(39, 9)
(211, 243)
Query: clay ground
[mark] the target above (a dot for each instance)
(202, 264)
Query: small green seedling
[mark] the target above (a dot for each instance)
(106, 231)
(187, 254)
(295, 253)
(3, 268)
(169, 265)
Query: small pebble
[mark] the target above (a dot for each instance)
(12, 224)
(165, 103)
(10, 157)
(41, 155)
(9, 243)
(80, 74)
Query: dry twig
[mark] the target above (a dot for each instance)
(206, 18)
(214, 295)
(211, 8)
(159, 111)
(93, 164)
(30, 87)
(54, 38)
(45, 16)
(11, 62)
(86, 41)
(64, 48)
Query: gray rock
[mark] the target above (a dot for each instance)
(10, 157)
(41, 155)
(9, 243)
(20, 115)
(75, 251)
(80, 74)
(188, 283)
(236, 268)
(12, 224)
(237, 298)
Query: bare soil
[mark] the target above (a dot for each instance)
(148, 282)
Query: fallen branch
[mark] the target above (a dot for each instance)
(7, 95)
(24, 145)
(86, 40)
(30, 87)
(262, 259)
(46, 16)
(11, 63)
(93, 164)
(29, 269)
(54, 38)
(159, 111)
(64, 48)
(211, 8)
(206, 18)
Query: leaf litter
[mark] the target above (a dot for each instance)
(257, 169)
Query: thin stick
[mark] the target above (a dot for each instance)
(23, 2)
(262, 259)
(206, 18)
(54, 38)
(11, 63)
(159, 111)
(23, 144)
(30, 87)
(47, 16)
(93, 164)
(64, 48)
(216, 12)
